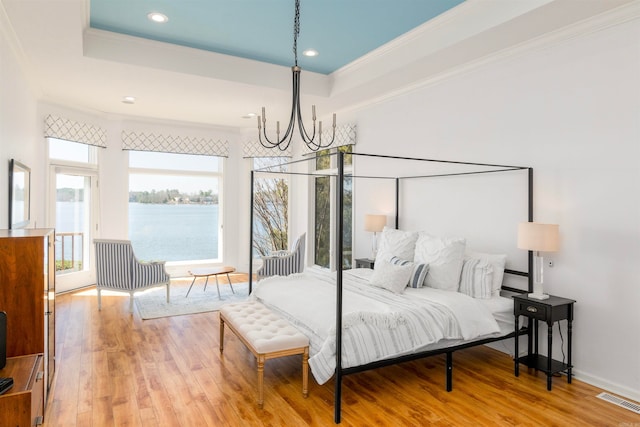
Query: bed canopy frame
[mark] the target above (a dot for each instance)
(339, 175)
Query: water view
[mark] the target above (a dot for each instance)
(163, 232)
(174, 232)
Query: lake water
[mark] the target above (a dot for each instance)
(174, 232)
(157, 231)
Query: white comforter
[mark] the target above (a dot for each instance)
(377, 324)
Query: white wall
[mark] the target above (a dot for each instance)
(570, 111)
(19, 133)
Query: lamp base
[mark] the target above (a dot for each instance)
(538, 296)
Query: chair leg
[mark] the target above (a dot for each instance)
(99, 300)
(168, 293)
(131, 302)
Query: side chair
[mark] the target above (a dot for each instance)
(283, 263)
(117, 268)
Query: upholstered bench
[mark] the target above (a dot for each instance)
(267, 335)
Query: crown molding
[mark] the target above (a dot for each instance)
(143, 52)
(620, 15)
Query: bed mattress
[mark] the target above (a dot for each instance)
(378, 324)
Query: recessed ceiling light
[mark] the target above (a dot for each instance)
(158, 17)
(310, 52)
(129, 99)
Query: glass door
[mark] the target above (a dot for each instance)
(73, 194)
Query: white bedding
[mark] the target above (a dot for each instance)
(377, 324)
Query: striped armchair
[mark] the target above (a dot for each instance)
(283, 263)
(117, 268)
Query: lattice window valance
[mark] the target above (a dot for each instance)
(345, 135)
(140, 141)
(253, 148)
(71, 130)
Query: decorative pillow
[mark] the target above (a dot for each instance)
(444, 256)
(477, 278)
(497, 261)
(392, 277)
(396, 243)
(418, 274)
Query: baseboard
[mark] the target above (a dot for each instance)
(609, 386)
(506, 346)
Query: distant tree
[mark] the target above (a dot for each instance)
(271, 212)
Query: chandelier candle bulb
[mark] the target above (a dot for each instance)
(313, 112)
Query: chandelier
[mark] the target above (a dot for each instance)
(314, 141)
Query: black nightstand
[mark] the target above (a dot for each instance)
(365, 263)
(550, 310)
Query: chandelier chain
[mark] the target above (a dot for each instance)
(296, 31)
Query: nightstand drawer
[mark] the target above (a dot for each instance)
(530, 309)
(365, 263)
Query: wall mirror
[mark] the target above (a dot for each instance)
(19, 195)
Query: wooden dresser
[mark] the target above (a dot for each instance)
(23, 404)
(27, 295)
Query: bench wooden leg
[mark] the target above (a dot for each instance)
(305, 372)
(221, 333)
(260, 380)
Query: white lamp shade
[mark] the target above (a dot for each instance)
(374, 223)
(535, 236)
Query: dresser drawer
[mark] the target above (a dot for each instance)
(531, 309)
(37, 394)
(23, 405)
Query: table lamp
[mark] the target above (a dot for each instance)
(538, 237)
(374, 224)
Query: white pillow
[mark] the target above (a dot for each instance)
(396, 243)
(476, 279)
(444, 256)
(418, 274)
(393, 277)
(497, 261)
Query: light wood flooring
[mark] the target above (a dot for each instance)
(114, 369)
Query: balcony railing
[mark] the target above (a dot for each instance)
(69, 252)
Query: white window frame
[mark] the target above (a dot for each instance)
(90, 168)
(182, 267)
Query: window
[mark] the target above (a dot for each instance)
(271, 206)
(73, 191)
(68, 151)
(324, 204)
(175, 206)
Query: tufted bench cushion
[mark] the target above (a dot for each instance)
(267, 335)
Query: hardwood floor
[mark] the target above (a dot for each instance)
(114, 369)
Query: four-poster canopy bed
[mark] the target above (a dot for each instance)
(358, 281)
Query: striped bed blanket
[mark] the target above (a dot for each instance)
(377, 324)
